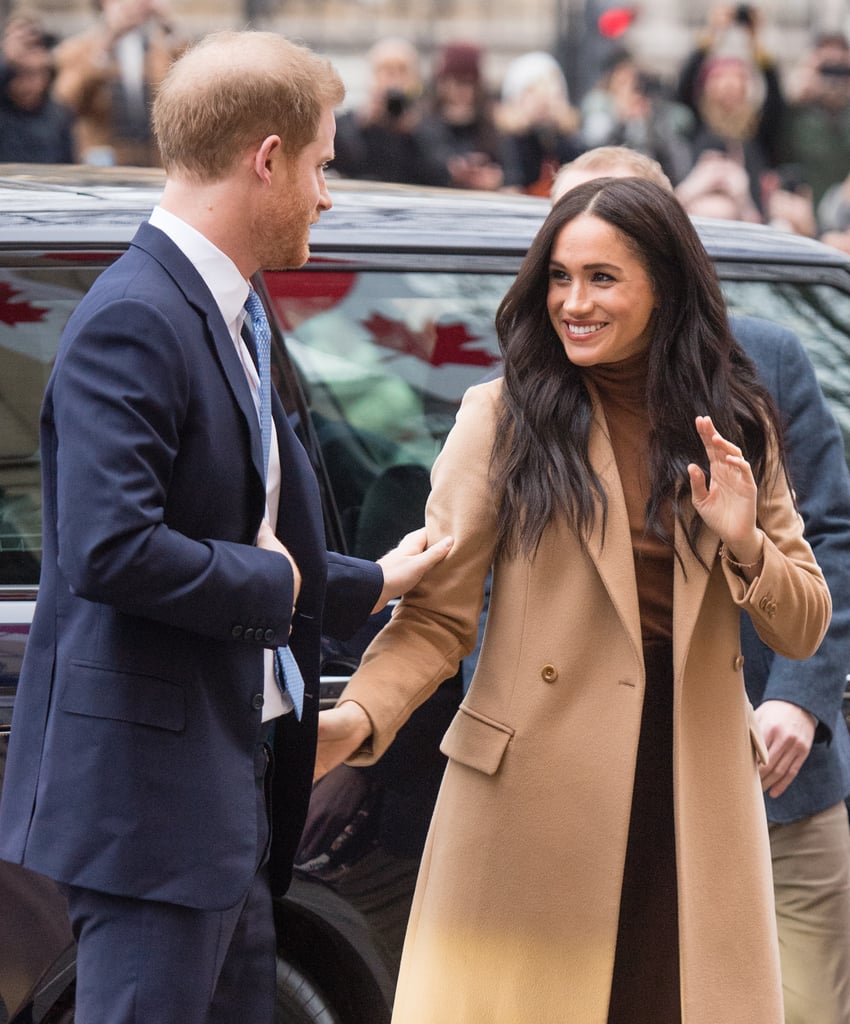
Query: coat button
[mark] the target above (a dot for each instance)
(257, 701)
(249, 633)
(549, 673)
(739, 662)
(269, 636)
(236, 632)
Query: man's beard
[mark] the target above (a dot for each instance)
(282, 240)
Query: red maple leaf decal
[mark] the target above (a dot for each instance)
(397, 336)
(451, 347)
(436, 344)
(12, 313)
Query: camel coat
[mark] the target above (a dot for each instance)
(515, 914)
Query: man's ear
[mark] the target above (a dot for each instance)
(264, 157)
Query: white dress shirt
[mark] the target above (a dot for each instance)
(230, 290)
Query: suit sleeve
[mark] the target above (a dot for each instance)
(353, 588)
(819, 474)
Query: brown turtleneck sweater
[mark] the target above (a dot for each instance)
(645, 982)
(622, 391)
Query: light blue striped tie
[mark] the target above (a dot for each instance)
(286, 671)
(263, 345)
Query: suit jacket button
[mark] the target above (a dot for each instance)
(236, 632)
(259, 636)
(269, 636)
(739, 662)
(249, 633)
(257, 701)
(549, 673)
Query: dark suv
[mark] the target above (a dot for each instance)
(376, 340)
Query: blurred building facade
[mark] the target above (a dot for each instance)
(659, 32)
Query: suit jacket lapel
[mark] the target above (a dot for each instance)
(160, 247)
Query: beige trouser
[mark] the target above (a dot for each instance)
(811, 879)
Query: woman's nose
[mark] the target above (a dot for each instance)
(577, 299)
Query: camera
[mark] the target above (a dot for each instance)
(744, 15)
(396, 103)
(835, 70)
(791, 179)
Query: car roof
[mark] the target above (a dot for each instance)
(91, 207)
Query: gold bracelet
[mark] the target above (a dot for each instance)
(724, 553)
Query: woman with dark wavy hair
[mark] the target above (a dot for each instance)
(599, 851)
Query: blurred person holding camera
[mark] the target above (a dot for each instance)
(34, 128)
(817, 126)
(540, 127)
(108, 73)
(628, 106)
(383, 140)
(731, 83)
(459, 119)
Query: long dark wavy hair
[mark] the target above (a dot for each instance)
(540, 467)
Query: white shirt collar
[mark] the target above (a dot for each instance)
(220, 274)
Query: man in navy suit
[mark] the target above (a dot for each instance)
(139, 771)
(797, 704)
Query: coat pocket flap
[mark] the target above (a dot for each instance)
(121, 696)
(476, 741)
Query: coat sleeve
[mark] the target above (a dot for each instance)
(789, 601)
(819, 474)
(435, 625)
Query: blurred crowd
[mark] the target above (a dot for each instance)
(737, 138)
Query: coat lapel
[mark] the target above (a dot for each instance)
(690, 581)
(611, 550)
(614, 559)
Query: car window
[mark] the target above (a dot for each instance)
(820, 315)
(34, 307)
(385, 359)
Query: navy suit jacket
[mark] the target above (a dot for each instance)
(130, 768)
(818, 469)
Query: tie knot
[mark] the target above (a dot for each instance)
(259, 325)
(254, 306)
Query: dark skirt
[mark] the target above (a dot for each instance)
(645, 986)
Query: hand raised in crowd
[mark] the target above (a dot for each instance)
(727, 504)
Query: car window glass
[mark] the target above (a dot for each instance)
(34, 306)
(385, 359)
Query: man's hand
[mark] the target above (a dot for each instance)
(267, 540)
(789, 732)
(342, 730)
(406, 564)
